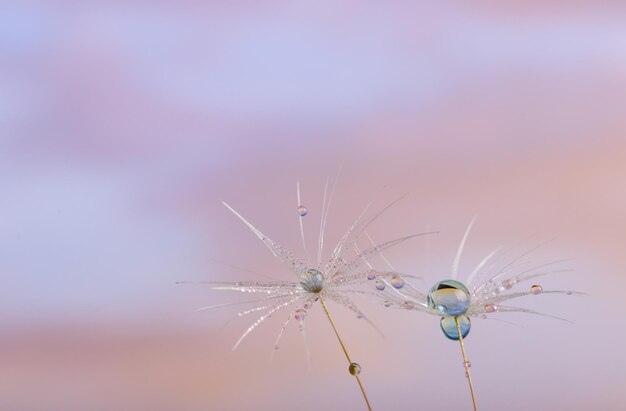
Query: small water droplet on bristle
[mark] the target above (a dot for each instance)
(397, 282)
(354, 369)
(302, 211)
(337, 278)
(507, 284)
(387, 303)
(380, 285)
(408, 305)
(307, 304)
(536, 289)
(371, 275)
(568, 293)
(300, 314)
(490, 308)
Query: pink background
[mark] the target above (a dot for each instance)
(123, 125)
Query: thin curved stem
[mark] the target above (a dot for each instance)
(466, 363)
(345, 351)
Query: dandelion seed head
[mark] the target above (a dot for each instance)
(488, 288)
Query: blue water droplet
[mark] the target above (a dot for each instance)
(448, 326)
(397, 282)
(449, 297)
(371, 275)
(300, 314)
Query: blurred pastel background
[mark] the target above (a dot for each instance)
(123, 125)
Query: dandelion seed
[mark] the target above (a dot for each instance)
(456, 303)
(345, 273)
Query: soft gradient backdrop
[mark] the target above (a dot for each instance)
(124, 123)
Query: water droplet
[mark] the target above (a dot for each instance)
(380, 285)
(387, 304)
(507, 284)
(302, 211)
(568, 293)
(449, 297)
(409, 305)
(312, 281)
(490, 308)
(300, 314)
(337, 278)
(397, 281)
(536, 289)
(448, 326)
(360, 315)
(307, 304)
(354, 369)
(371, 275)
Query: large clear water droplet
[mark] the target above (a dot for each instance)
(449, 297)
(536, 289)
(302, 211)
(299, 314)
(397, 281)
(312, 281)
(380, 285)
(448, 326)
(354, 369)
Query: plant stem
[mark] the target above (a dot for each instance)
(466, 363)
(345, 351)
